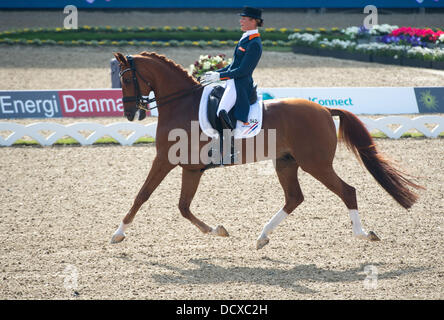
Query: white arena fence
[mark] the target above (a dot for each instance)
(430, 126)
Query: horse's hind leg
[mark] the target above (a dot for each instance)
(347, 193)
(287, 172)
(159, 170)
(190, 182)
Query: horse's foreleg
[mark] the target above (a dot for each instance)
(159, 170)
(190, 182)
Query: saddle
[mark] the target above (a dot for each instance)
(213, 104)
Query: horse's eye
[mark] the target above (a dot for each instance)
(127, 81)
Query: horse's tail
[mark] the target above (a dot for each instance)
(357, 138)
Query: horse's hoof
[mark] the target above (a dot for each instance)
(220, 231)
(262, 242)
(372, 236)
(117, 237)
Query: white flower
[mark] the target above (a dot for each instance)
(438, 53)
(420, 51)
(202, 58)
(206, 65)
(217, 59)
(351, 31)
(336, 43)
(304, 37)
(441, 38)
(380, 29)
(375, 46)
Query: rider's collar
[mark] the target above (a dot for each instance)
(248, 33)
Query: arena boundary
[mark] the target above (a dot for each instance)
(18, 131)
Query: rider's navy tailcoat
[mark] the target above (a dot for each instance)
(246, 57)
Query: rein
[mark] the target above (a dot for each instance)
(141, 102)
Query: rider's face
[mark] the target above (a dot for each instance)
(247, 23)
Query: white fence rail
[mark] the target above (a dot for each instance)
(113, 130)
(74, 131)
(404, 124)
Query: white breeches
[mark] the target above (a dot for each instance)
(229, 98)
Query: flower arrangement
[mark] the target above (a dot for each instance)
(413, 41)
(208, 63)
(427, 34)
(382, 29)
(352, 32)
(304, 38)
(382, 40)
(427, 54)
(382, 49)
(337, 44)
(363, 32)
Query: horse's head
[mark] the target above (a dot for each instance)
(133, 87)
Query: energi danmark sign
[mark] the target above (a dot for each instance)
(62, 103)
(29, 104)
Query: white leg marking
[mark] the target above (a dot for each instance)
(119, 235)
(269, 227)
(358, 232)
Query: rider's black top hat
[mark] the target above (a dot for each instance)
(252, 13)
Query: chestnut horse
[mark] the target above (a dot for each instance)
(305, 137)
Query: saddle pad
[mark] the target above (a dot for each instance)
(242, 130)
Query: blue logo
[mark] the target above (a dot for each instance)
(332, 102)
(267, 96)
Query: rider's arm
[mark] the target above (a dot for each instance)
(249, 62)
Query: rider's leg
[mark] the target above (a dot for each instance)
(226, 104)
(229, 97)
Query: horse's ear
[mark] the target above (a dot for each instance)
(119, 57)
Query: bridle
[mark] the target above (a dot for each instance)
(141, 102)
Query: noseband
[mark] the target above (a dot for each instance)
(141, 102)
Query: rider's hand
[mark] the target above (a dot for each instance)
(211, 76)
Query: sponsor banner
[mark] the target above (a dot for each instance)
(372, 100)
(29, 104)
(63, 103)
(430, 99)
(91, 103)
(108, 102)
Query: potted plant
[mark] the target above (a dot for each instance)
(418, 57)
(305, 43)
(388, 54)
(358, 55)
(438, 59)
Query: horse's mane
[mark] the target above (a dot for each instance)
(173, 65)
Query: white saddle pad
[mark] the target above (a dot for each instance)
(242, 130)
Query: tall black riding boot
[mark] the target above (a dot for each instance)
(225, 119)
